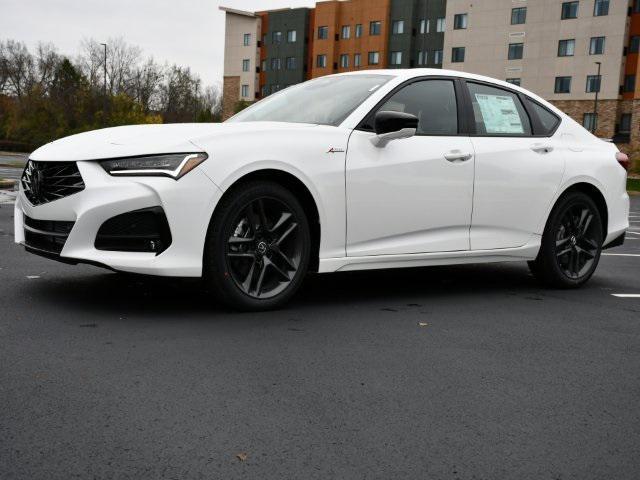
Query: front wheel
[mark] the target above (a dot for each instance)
(571, 243)
(258, 247)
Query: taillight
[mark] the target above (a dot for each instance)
(623, 160)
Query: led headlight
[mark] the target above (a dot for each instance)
(173, 165)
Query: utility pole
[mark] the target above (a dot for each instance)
(105, 83)
(595, 104)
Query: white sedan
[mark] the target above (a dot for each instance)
(364, 170)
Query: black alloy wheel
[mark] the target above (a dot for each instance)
(258, 247)
(571, 243)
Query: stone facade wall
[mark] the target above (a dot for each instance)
(230, 96)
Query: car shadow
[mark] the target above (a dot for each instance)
(167, 297)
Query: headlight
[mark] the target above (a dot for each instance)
(173, 165)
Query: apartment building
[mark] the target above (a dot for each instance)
(241, 58)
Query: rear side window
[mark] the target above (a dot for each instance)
(548, 120)
(432, 101)
(498, 112)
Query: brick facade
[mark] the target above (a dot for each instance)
(230, 96)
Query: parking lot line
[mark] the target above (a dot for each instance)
(626, 295)
(622, 254)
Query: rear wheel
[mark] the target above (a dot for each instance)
(258, 247)
(571, 243)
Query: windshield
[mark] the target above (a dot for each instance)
(324, 101)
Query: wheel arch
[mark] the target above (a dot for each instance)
(299, 189)
(593, 192)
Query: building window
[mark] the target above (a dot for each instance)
(244, 92)
(292, 36)
(457, 54)
(323, 33)
(593, 83)
(375, 28)
(625, 123)
(460, 21)
(346, 32)
(566, 48)
(358, 30)
(276, 37)
(634, 42)
(563, 85)
(518, 15)
(398, 27)
(629, 83)
(424, 26)
(357, 60)
(291, 63)
(514, 81)
(636, 6)
(275, 87)
(422, 58)
(601, 8)
(569, 10)
(437, 57)
(396, 58)
(245, 65)
(246, 39)
(596, 46)
(590, 121)
(344, 61)
(275, 64)
(440, 25)
(516, 51)
(264, 91)
(321, 61)
(263, 65)
(374, 58)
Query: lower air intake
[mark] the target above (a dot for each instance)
(145, 230)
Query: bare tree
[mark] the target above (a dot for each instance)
(4, 68)
(91, 62)
(20, 71)
(122, 60)
(47, 62)
(147, 79)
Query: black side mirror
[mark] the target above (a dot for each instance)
(387, 122)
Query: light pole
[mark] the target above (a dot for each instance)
(105, 83)
(595, 104)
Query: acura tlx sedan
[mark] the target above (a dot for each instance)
(364, 170)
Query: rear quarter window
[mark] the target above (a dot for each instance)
(548, 120)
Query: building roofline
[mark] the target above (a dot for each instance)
(237, 12)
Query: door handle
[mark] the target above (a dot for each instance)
(541, 148)
(456, 156)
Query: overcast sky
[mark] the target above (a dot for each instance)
(185, 32)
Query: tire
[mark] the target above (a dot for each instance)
(571, 243)
(257, 248)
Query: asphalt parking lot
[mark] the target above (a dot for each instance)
(470, 372)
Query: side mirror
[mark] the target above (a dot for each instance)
(393, 126)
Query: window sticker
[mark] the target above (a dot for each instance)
(499, 114)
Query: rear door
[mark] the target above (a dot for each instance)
(518, 165)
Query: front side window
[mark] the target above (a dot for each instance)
(346, 32)
(323, 33)
(344, 60)
(292, 36)
(321, 61)
(245, 65)
(398, 27)
(596, 46)
(396, 58)
(440, 25)
(562, 85)
(375, 28)
(291, 63)
(460, 21)
(566, 48)
(601, 8)
(498, 112)
(374, 58)
(322, 101)
(457, 54)
(277, 37)
(357, 60)
(516, 51)
(514, 81)
(246, 41)
(548, 120)
(432, 101)
(358, 30)
(518, 15)
(593, 83)
(569, 10)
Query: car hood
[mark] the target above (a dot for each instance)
(147, 140)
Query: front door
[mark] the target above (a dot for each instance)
(413, 195)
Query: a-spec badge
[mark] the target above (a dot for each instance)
(335, 150)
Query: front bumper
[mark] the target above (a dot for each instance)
(187, 203)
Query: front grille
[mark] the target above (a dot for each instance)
(46, 235)
(45, 182)
(145, 230)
